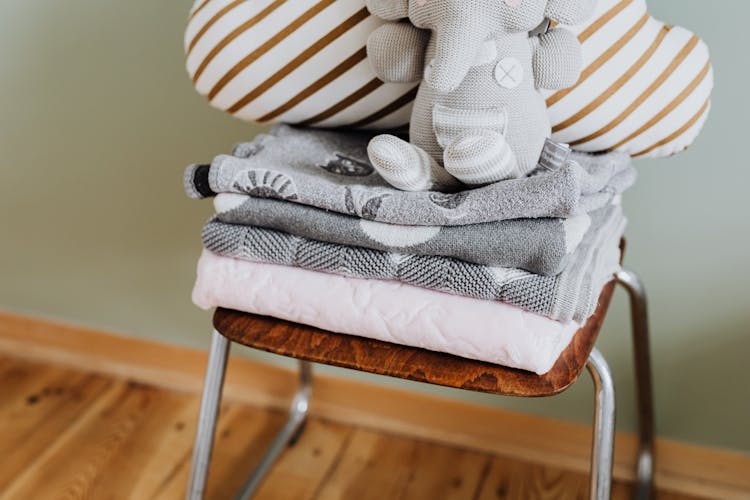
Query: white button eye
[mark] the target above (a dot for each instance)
(509, 73)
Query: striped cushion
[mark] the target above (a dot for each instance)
(296, 61)
(645, 88)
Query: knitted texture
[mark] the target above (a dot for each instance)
(330, 170)
(482, 74)
(390, 154)
(563, 297)
(541, 246)
(481, 157)
(391, 62)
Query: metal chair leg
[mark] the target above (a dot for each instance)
(604, 427)
(289, 433)
(639, 317)
(210, 401)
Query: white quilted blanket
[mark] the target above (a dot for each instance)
(384, 310)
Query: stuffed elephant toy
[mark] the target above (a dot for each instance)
(478, 116)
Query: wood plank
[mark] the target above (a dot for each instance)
(153, 451)
(34, 422)
(511, 479)
(376, 466)
(24, 382)
(35, 339)
(5, 363)
(302, 468)
(515, 480)
(242, 436)
(72, 465)
(668, 495)
(620, 490)
(680, 467)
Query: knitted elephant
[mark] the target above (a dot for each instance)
(478, 116)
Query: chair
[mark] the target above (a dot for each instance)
(312, 345)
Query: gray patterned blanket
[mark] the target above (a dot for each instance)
(330, 170)
(541, 246)
(570, 295)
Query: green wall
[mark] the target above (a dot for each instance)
(98, 120)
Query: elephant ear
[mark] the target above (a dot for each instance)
(396, 52)
(570, 11)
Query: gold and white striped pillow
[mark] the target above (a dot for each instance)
(296, 61)
(645, 88)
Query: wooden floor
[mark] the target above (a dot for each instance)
(72, 434)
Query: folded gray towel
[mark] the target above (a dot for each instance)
(567, 296)
(330, 170)
(541, 246)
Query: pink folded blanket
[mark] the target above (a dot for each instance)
(385, 310)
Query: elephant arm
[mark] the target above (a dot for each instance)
(558, 60)
(390, 10)
(396, 52)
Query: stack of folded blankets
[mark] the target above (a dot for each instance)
(305, 230)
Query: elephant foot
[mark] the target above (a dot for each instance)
(406, 166)
(481, 157)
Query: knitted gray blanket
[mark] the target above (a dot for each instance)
(541, 246)
(330, 170)
(571, 295)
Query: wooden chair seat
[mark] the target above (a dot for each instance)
(383, 358)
